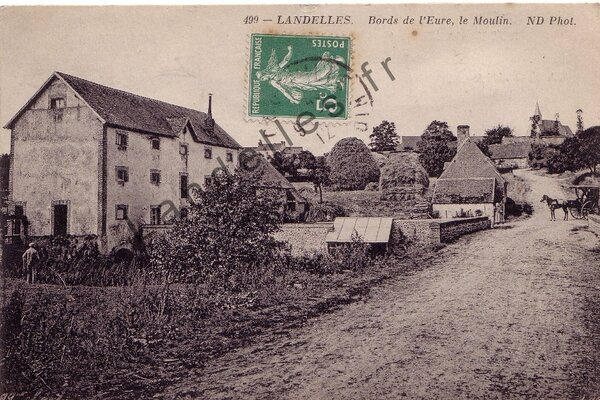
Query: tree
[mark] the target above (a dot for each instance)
(493, 136)
(306, 159)
(285, 164)
(352, 165)
(579, 121)
(434, 147)
(496, 134)
(318, 174)
(590, 148)
(227, 230)
(384, 137)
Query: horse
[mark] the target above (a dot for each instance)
(553, 204)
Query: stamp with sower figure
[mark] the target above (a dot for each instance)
(291, 76)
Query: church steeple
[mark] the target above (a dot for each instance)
(537, 112)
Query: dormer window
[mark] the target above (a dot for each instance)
(155, 143)
(183, 149)
(57, 103)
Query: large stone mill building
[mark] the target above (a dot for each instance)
(89, 159)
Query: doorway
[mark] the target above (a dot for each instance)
(60, 219)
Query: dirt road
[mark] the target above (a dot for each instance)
(506, 313)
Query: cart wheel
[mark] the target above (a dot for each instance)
(575, 213)
(585, 209)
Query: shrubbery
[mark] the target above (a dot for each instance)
(352, 166)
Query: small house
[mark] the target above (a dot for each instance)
(470, 184)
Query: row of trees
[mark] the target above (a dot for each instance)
(574, 154)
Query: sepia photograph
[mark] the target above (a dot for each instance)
(340, 201)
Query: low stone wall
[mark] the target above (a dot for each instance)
(305, 238)
(437, 231)
(451, 230)
(310, 238)
(594, 223)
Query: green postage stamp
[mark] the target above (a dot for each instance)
(292, 76)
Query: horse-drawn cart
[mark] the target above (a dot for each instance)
(587, 202)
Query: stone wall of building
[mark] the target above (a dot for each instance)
(54, 161)
(305, 238)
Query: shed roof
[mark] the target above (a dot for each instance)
(464, 191)
(130, 111)
(368, 229)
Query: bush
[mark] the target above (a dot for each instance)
(324, 212)
(227, 232)
(352, 165)
(513, 209)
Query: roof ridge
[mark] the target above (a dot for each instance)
(128, 93)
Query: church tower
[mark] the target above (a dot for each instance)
(535, 121)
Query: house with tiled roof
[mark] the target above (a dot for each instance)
(511, 155)
(264, 175)
(470, 184)
(90, 159)
(269, 149)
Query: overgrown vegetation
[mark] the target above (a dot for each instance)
(215, 282)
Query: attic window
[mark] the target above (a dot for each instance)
(207, 152)
(229, 156)
(57, 103)
(155, 143)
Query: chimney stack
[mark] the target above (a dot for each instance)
(210, 122)
(462, 133)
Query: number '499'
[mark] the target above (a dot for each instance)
(251, 19)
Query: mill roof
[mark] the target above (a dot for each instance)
(464, 191)
(126, 110)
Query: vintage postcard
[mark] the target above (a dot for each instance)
(344, 201)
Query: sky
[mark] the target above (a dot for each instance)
(463, 74)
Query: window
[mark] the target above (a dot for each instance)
(57, 103)
(183, 186)
(155, 143)
(121, 211)
(183, 149)
(154, 215)
(122, 174)
(207, 152)
(207, 180)
(121, 140)
(154, 176)
(229, 157)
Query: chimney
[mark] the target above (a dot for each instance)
(210, 122)
(462, 133)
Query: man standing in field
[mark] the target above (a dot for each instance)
(30, 260)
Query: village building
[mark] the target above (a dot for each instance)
(265, 177)
(89, 159)
(268, 150)
(511, 154)
(547, 130)
(470, 184)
